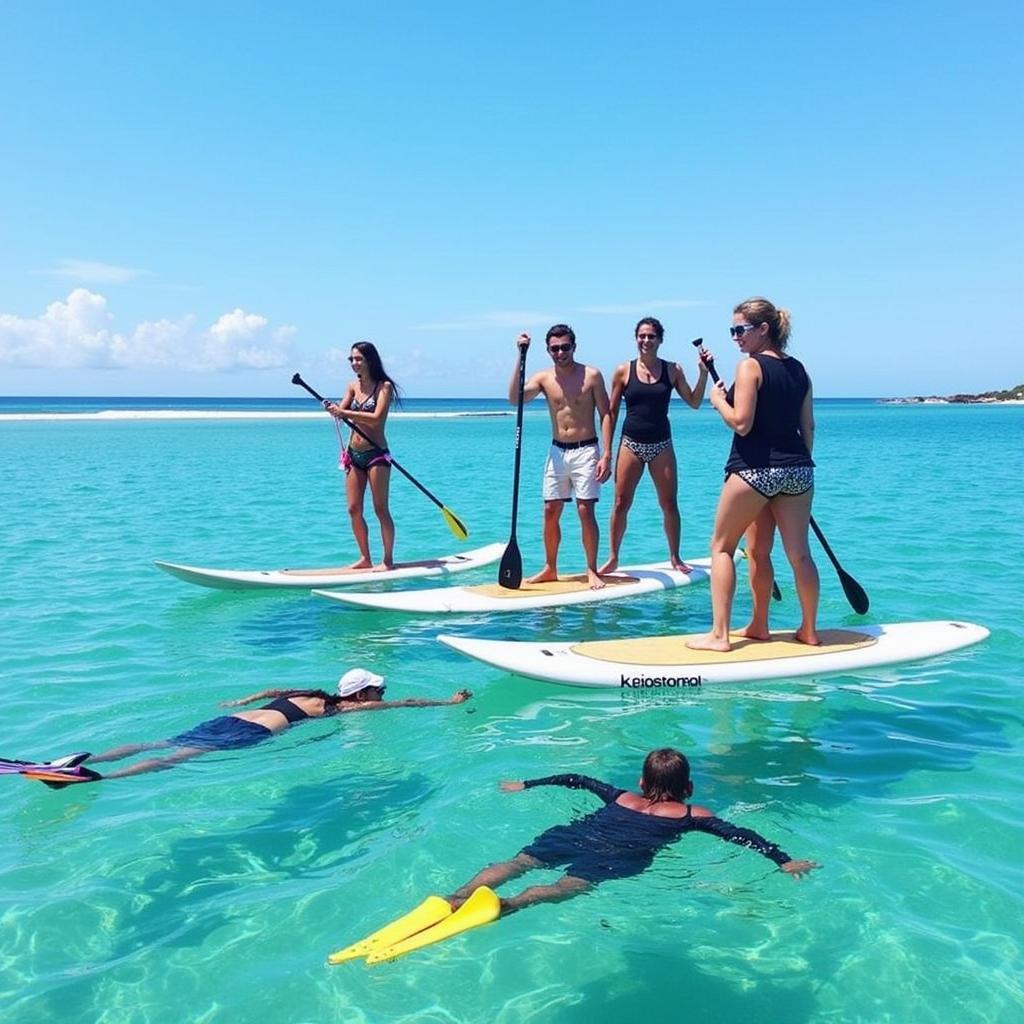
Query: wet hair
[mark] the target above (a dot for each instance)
(560, 331)
(761, 311)
(369, 352)
(654, 324)
(666, 776)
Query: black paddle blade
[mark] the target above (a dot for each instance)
(510, 572)
(854, 593)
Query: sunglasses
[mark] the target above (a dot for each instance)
(740, 329)
(555, 349)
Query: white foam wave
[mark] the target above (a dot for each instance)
(220, 414)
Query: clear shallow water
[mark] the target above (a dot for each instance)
(214, 891)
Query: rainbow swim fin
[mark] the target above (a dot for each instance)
(431, 911)
(482, 907)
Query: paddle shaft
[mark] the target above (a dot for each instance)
(854, 592)
(296, 379)
(519, 440)
(510, 571)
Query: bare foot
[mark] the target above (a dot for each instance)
(751, 633)
(809, 637)
(680, 566)
(363, 563)
(709, 642)
(595, 581)
(610, 566)
(546, 575)
(384, 567)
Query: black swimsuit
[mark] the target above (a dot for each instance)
(616, 842)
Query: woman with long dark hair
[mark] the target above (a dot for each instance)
(366, 403)
(647, 383)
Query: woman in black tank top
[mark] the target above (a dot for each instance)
(769, 476)
(647, 383)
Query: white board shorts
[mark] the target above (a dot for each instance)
(571, 473)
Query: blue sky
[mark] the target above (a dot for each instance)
(198, 199)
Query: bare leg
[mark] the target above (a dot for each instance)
(591, 538)
(628, 470)
(793, 514)
(759, 539)
(157, 764)
(494, 875)
(564, 889)
(663, 473)
(128, 750)
(380, 481)
(355, 489)
(552, 539)
(738, 506)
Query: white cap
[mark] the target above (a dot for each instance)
(356, 679)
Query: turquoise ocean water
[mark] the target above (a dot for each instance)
(213, 892)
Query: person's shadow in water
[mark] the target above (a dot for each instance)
(314, 830)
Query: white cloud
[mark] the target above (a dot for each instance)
(77, 332)
(93, 272)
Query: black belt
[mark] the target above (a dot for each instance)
(568, 446)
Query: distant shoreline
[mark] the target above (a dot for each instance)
(953, 400)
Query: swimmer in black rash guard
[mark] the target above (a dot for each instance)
(619, 839)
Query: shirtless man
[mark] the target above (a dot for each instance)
(575, 465)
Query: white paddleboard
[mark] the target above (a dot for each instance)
(666, 663)
(626, 582)
(305, 579)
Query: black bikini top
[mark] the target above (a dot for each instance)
(287, 707)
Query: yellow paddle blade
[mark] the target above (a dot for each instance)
(454, 523)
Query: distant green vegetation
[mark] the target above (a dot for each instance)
(1010, 395)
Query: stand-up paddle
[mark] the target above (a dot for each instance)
(510, 571)
(851, 588)
(454, 523)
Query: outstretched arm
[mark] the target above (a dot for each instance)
(601, 789)
(753, 841)
(459, 697)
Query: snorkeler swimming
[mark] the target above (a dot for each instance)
(357, 690)
(618, 840)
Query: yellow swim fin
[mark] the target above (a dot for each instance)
(482, 907)
(432, 910)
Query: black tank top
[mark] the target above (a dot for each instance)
(291, 711)
(775, 438)
(647, 406)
